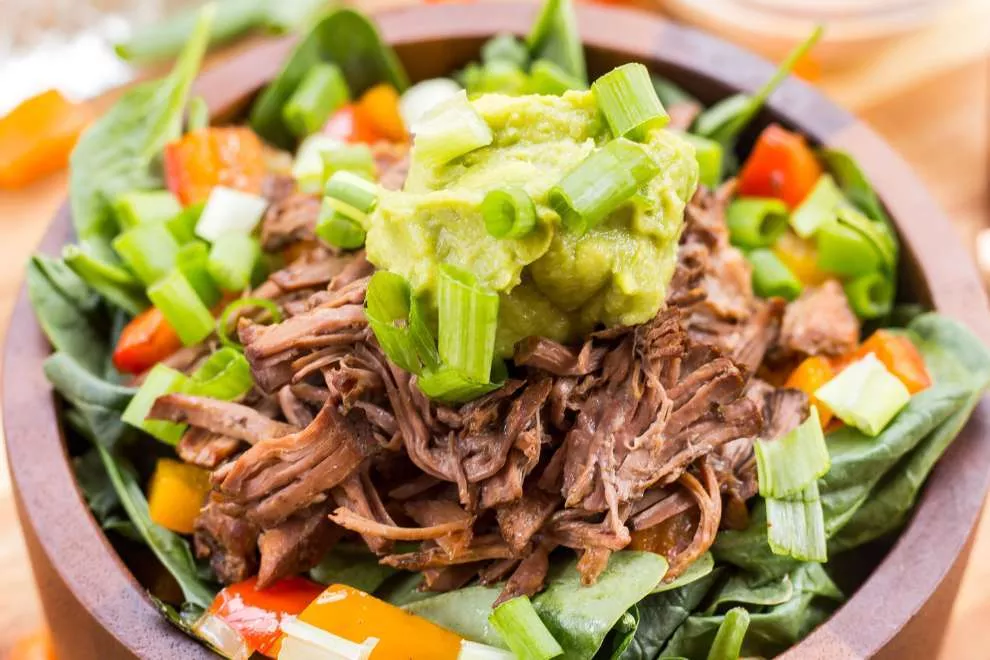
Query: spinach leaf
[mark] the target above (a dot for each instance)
(621, 636)
(96, 487)
(99, 403)
(743, 589)
(68, 312)
(464, 611)
(660, 614)
(403, 589)
(555, 37)
(185, 620)
(116, 154)
(701, 567)
(771, 631)
(344, 37)
(112, 281)
(352, 565)
(170, 548)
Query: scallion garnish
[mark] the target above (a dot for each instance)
(870, 296)
(192, 261)
(796, 526)
(772, 277)
(148, 249)
(223, 323)
(182, 308)
(228, 210)
(522, 630)
(354, 158)
(865, 395)
(232, 259)
(139, 207)
(160, 380)
(508, 212)
(787, 465)
(818, 208)
(198, 114)
(710, 156)
(337, 229)
(756, 222)
(322, 91)
(225, 375)
(468, 321)
(354, 191)
(307, 167)
(845, 251)
(505, 48)
(397, 319)
(450, 386)
(450, 129)
(629, 102)
(731, 633)
(876, 233)
(601, 183)
(546, 77)
(183, 224)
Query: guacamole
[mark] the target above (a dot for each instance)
(552, 282)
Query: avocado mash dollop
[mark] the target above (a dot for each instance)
(552, 282)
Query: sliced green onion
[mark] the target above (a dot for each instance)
(710, 156)
(223, 323)
(522, 630)
(337, 229)
(731, 633)
(355, 158)
(307, 168)
(159, 381)
(183, 224)
(601, 183)
(149, 250)
(468, 321)
(545, 77)
(232, 259)
(756, 222)
(198, 116)
(228, 210)
(870, 296)
(140, 207)
(865, 395)
(845, 251)
(451, 129)
(192, 261)
(505, 48)
(508, 212)
(629, 102)
(425, 95)
(818, 209)
(771, 277)
(498, 77)
(224, 375)
(398, 321)
(114, 283)
(787, 465)
(876, 233)
(354, 191)
(796, 527)
(182, 308)
(450, 386)
(855, 185)
(322, 91)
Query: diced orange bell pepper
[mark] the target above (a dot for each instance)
(900, 356)
(351, 124)
(781, 165)
(230, 156)
(356, 616)
(176, 494)
(145, 341)
(801, 256)
(380, 105)
(808, 376)
(36, 646)
(37, 136)
(257, 614)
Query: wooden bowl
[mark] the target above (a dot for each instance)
(98, 610)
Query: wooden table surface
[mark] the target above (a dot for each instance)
(927, 94)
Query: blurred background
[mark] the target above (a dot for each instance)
(918, 71)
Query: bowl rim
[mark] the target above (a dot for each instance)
(50, 503)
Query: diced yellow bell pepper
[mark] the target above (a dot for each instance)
(801, 257)
(177, 493)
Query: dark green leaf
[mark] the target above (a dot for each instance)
(855, 185)
(184, 620)
(96, 487)
(701, 567)
(555, 37)
(464, 611)
(744, 589)
(354, 566)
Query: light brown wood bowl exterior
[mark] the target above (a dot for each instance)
(98, 610)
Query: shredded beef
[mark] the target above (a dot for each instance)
(819, 322)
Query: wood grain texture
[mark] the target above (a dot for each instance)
(939, 123)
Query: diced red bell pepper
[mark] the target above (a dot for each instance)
(350, 124)
(230, 156)
(781, 165)
(146, 340)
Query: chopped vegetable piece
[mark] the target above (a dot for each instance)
(227, 156)
(787, 465)
(855, 185)
(818, 209)
(307, 168)
(451, 129)
(183, 224)
(198, 114)
(495, 78)
(160, 380)
(176, 493)
(425, 95)
(258, 614)
(844, 251)
(797, 526)
(229, 210)
(801, 256)
(397, 319)
(755, 222)
(901, 357)
(355, 158)
(322, 91)
(629, 102)
(145, 341)
(356, 616)
(812, 373)
(183, 309)
(221, 637)
(505, 48)
(710, 155)
(601, 183)
(865, 395)
(350, 124)
(545, 77)
(468, 315)
(771, 277)
(509, 212)
(225, 375)
(555, 38)
(37, 136)
(232, 259)
(149, 250)
(522, 630)
(354, 191)
(871, 295)
(781, 165)
(731, 633)
(337, 229)
(380, 105)
(140, 207)
(115, 283)
(305, 642)
(223, 323)
(452, 386)
(193, 262)
(875, 233)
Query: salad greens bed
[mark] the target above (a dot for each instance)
(739, 599)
